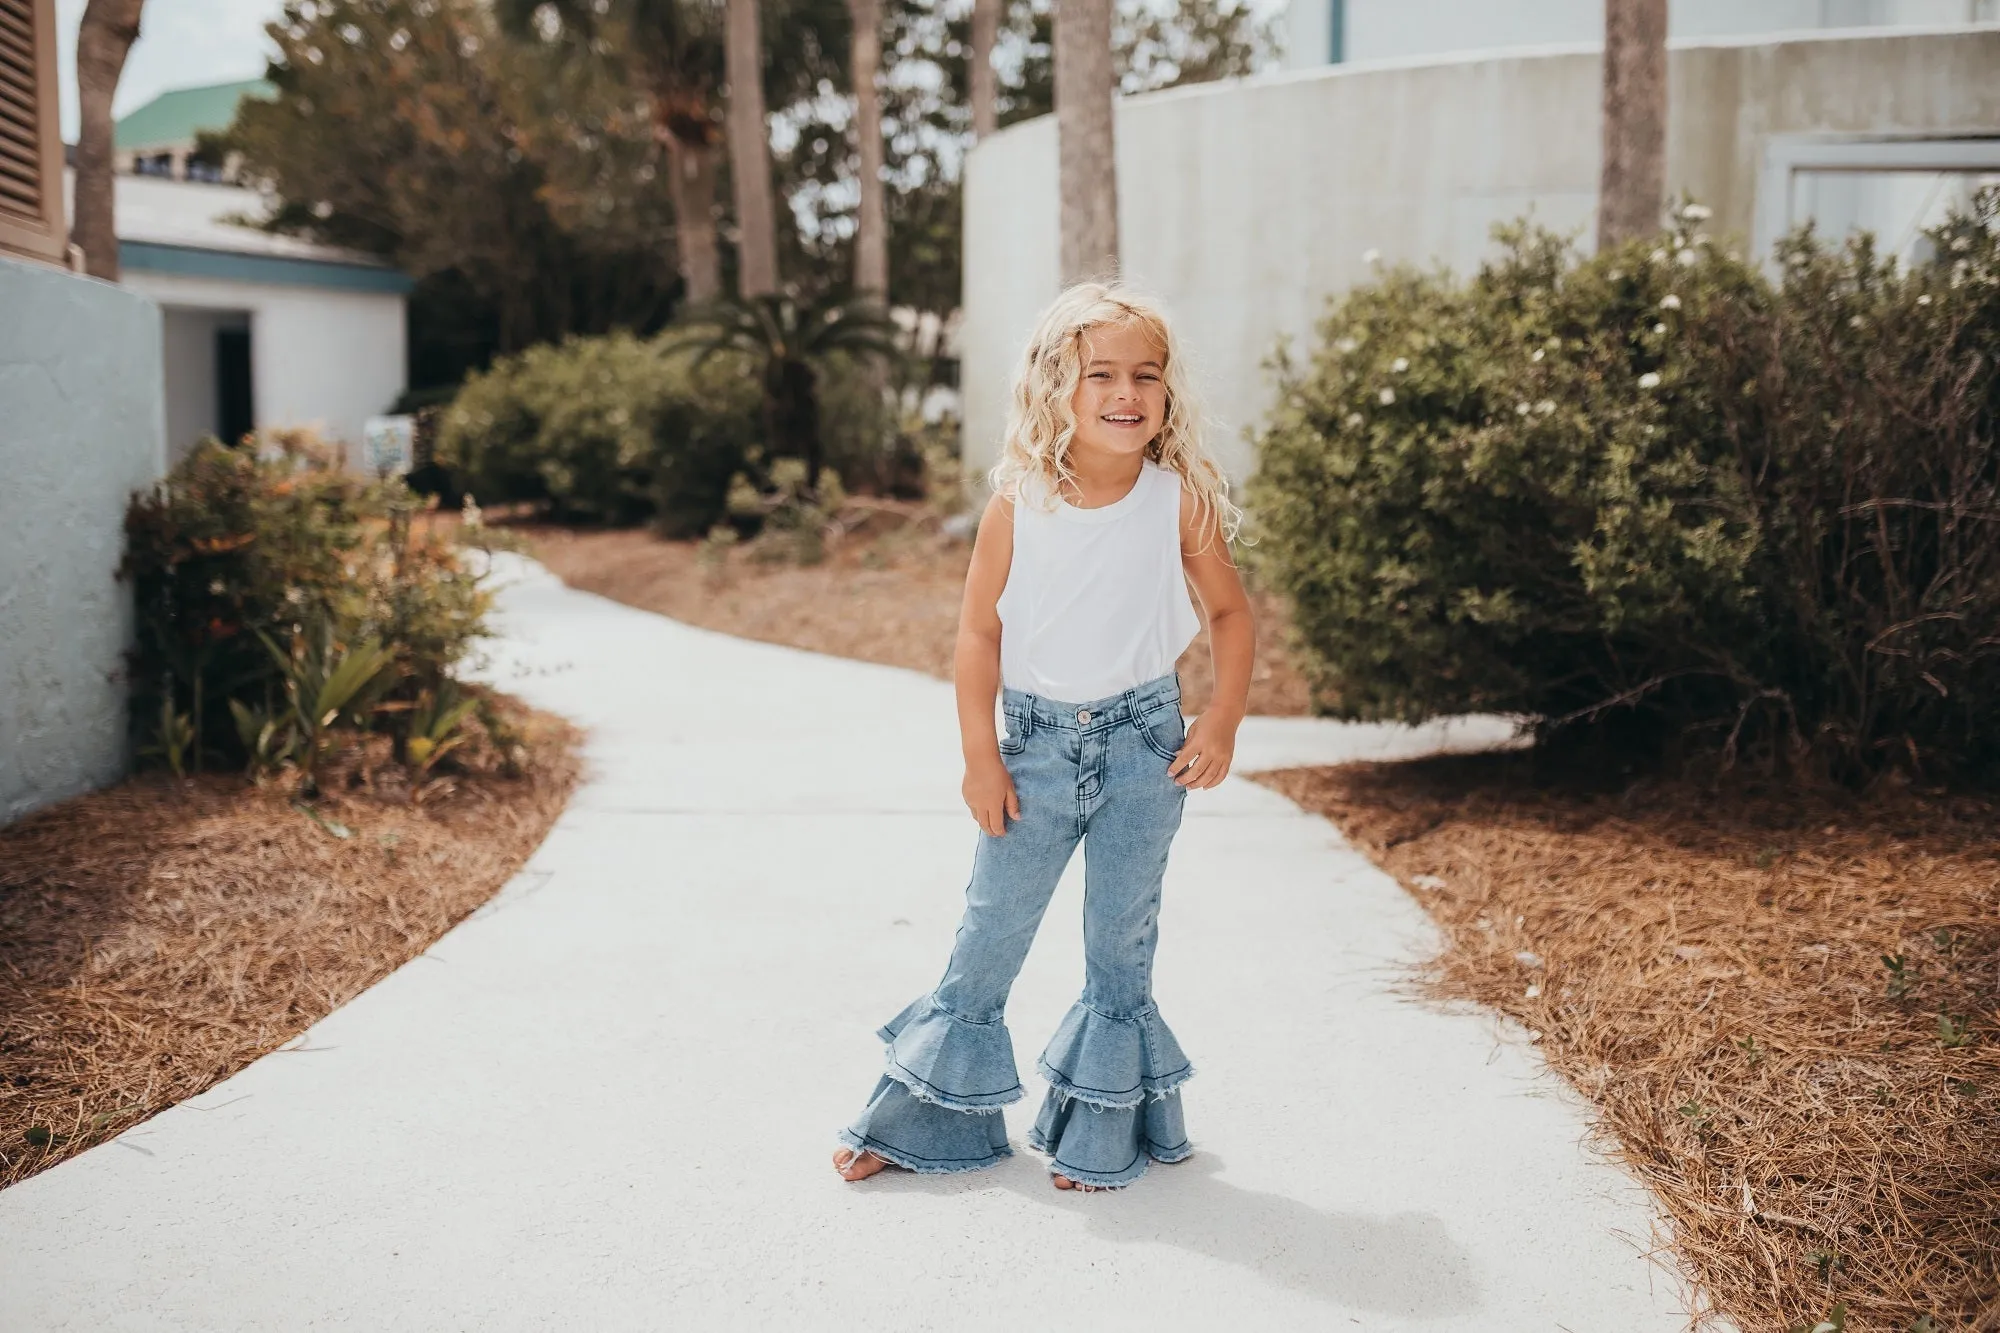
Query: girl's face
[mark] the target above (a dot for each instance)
(1121, 400)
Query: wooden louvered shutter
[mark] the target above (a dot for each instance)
(31, 180)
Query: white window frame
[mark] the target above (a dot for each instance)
(1786, 155)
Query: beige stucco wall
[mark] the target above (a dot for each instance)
(1245, 206)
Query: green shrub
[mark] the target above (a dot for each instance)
(1655, 487)
(233, 554)
(605, 429)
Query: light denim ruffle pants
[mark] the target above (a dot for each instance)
(1095, 773)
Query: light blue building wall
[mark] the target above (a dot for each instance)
(81, 428)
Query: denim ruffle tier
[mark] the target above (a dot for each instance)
(1111, 1107)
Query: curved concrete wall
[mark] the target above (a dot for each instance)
(1246, 205)
(81, 428)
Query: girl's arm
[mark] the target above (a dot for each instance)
(1232, 640)
(989, 790)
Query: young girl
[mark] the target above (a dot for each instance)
(1106, 506)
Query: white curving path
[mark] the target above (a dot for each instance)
(607, 1100)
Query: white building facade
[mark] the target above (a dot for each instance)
(1332, 32)
(260, 330)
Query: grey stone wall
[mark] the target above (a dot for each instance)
(82, 425)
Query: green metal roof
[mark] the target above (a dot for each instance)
(177, 116)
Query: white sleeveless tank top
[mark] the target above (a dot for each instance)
(1096, 601)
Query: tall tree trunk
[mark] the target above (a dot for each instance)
(985, 87)
(1632, 190)
(871, 235)
(750, 152)
(103, 40)
(692, 165)
(1088, 174)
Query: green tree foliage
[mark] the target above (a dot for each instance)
(927, 120)
(499, 175)
(1653, 487)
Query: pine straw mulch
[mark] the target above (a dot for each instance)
(888, 592)
(157, 936)
(1707, 966)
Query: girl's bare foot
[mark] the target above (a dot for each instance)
(1065, 1183)
(853, 1164)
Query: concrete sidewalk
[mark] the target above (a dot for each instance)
(607, 1100)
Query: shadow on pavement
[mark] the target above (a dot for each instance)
(1401, 1264)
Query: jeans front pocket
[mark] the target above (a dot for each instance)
(1164, 729)
(1016, 738)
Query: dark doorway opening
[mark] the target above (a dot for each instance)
(235, 416)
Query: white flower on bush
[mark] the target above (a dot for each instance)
(1960, 244)
(1670, 302)
(1697, 212)
(295, 595)
(1686, 258)
(1924, 299)
(1546, 406)
(1658, 257)
(1386, 397)
(1346, 346)
(1371, 257)
(1354, 419)
(1522, 409)
(1854, 323)
(1400, 364)
(1650, 380)
(1539, 354)
(1659, 328)
(216, 587)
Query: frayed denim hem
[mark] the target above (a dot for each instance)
(1113, 1060)
(950, 1061)
(924, 1092)
(1104, 1180)
(1150, 1089)
(922, 1166)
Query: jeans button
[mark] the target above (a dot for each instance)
(1083, 716)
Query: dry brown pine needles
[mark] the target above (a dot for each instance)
(1821, 1126)
(159, 935)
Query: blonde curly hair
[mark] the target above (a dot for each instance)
(1041, 423)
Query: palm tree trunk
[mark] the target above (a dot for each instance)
(985, 87)
(103, 39)
(1633, 187)
(750, 153)
(692, 165)
(1088, 172)
(871, 235)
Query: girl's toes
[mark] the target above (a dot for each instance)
(853, 1164)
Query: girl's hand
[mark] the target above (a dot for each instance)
(1205, 757)
(989, 794)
